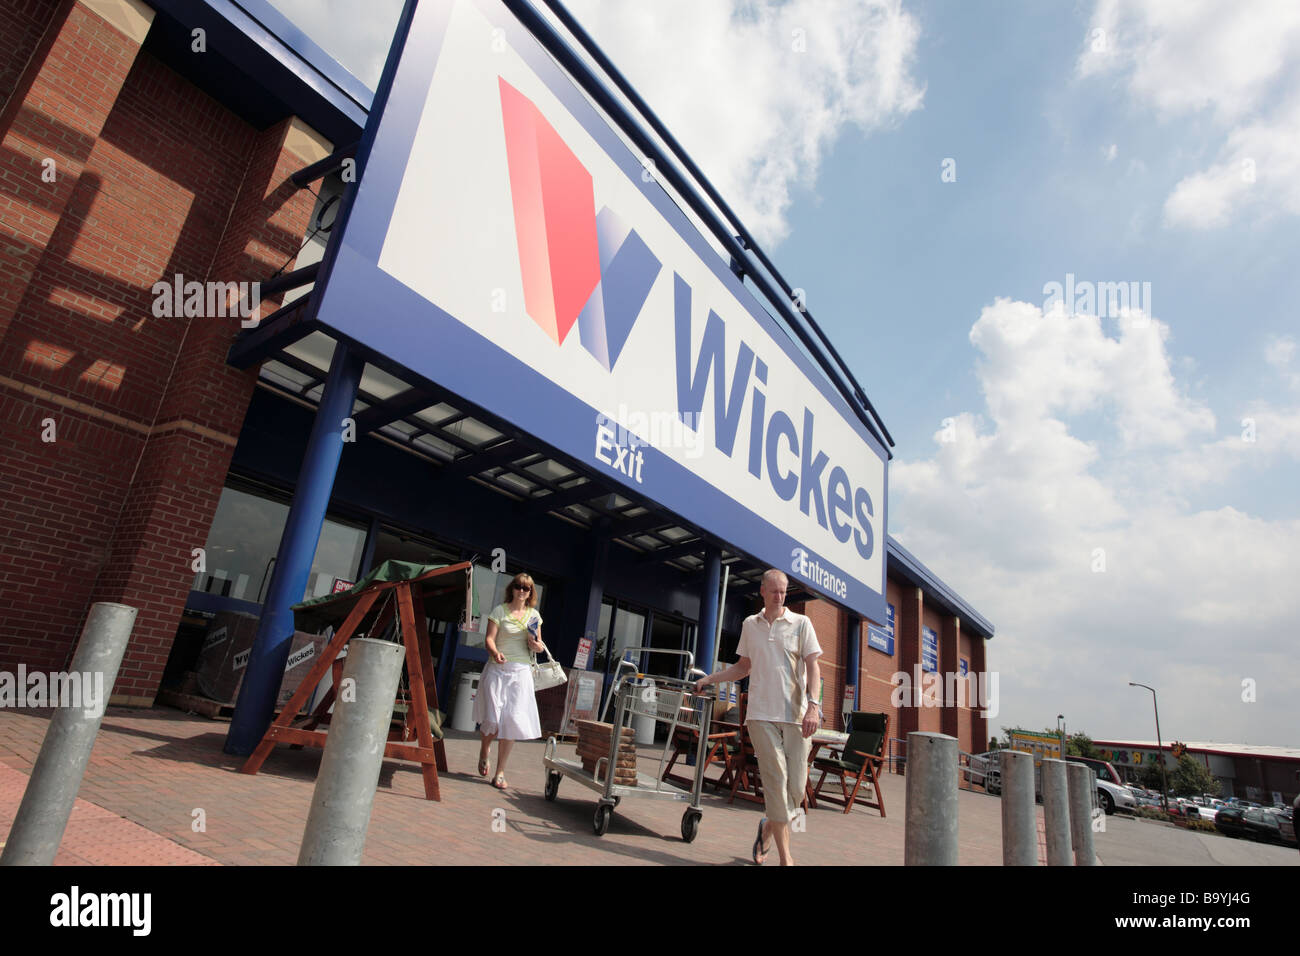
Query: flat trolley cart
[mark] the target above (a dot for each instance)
(665, 699)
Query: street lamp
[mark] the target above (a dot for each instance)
(1060, 732)
(1160, 754)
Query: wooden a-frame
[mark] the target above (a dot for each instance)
(414, 740)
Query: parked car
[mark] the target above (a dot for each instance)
(984, 772)
(1101, 768)
(1253, 823)
(1111, 794)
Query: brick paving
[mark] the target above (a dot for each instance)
(152, 769)
(96, 836)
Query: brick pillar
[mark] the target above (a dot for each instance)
(907, 642)
(182, 470)
(55, 115)
(949, 643)
(979, 723)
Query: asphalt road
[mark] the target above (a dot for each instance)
(1128, 841)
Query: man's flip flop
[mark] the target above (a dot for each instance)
(759, 849)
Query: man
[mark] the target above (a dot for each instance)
(778, 651)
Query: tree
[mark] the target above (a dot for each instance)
(1149, 777)
(1080, 745)
(1191, 778)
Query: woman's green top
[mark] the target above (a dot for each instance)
(512, 632)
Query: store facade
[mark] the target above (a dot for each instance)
(505, 432)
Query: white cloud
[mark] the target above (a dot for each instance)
(1044, 363)
(1280, 353)
(757, 93)
(1019, 510)
(1236, 64)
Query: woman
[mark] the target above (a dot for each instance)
(505, 706)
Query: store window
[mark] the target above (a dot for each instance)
(620, 627)
(490, 587)
(395, 545)
(245, 535)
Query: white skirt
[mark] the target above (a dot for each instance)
(506, 703)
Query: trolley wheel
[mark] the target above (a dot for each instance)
(601, 823)
(552, 785)
(690, 825)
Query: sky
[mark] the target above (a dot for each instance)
(1111, 482)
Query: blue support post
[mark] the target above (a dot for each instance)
(311, 497)
(704, 641)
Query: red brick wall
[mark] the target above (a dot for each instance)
(979, 724)
(876, 671)
(22, 24)
(829, 622)
(875, 685)
(165, 181)
(968, 742)
(949, 637)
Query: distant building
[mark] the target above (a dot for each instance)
(1263, 774)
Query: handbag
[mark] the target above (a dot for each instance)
(547, 675)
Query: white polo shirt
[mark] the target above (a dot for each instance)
(778, 676)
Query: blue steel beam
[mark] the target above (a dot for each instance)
(710, 583)
(278, 330)
(293, 560)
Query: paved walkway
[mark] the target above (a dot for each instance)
(153, 770)
(96, 836)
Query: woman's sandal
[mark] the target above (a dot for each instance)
(499, 781)
(759, 849)
(483, 766)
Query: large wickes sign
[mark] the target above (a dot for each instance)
(506, 244)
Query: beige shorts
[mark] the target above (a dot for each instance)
(782, 752)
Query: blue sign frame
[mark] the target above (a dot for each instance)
(882, 638)
(376, 314)
(929, 650)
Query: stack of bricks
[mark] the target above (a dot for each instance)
(594, 743)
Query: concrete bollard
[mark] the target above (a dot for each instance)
(1056, 813)
(930, 838)
(56, 776)
(1019, 810)
(335, 834)
(1081, 812)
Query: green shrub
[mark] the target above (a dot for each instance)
(1150, 813)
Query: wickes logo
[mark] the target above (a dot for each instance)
(838, 505)
(577, 267)
(595, 271)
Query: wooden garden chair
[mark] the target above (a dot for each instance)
(718, 744)
(861, 760)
